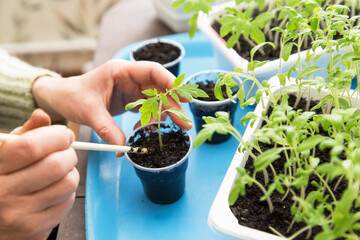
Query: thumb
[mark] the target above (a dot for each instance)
(38, 118)
(105, 126)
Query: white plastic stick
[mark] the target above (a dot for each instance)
(88, 146)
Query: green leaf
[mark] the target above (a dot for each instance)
(164, 99)
(193, 25)
(263, 18)
(257, 35)
(343, 219)
(225, 29)
(177, 3)
(282, 78)
(232, 40)
(254, 49)
(305, 72)
(203, 135)
(248, 116)
(218, 91)
(150, 105)
(174, 96)
(145, 118)
(300, 181)
(178, 113)
(310, 143)
(241, 96)
(287, 51)
(326, 235)
(150, 92)
(134, 104)
(266, 158)
(255, 64)
(189, 6)
(191, 90)
(314, 24)
(234, 194)
(178, 80)
(229, 94)
(344, 104)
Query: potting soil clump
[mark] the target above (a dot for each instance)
(209, 87)
(176, 144)
(158, 52)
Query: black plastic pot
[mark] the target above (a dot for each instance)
(172, 66)
(201, 108)
(167, 184)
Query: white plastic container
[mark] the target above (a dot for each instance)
(220, 219)
(175, 19)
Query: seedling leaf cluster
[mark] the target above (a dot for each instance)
(157, 103)
(297, 135)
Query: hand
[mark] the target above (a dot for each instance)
(94, 97)
(38, 179)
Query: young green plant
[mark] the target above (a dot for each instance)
(157, 103)
(299, 137)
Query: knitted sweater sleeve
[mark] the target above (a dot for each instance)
(16, 100)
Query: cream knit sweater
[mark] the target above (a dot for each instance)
(16, 79)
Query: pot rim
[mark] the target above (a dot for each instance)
(212, 103)
(163, 40)
(162, 168)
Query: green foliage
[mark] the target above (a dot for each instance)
(298, 135)
(157, 103)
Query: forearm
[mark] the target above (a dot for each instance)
(45, 91)
(16, 100)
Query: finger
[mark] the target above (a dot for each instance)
(57, 192)
(137, 125)
(45, 221)
(32, 146)
(43, 173)
(146, 73)
(38, 118)
(16, 131)
(34, 225)
(105, 126)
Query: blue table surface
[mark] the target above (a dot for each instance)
(116, 207)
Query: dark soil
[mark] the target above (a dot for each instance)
(253, 213)
(209, 87)
(158, 52)
(175, 141)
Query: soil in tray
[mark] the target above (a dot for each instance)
(209, 87)
(255, 214)
(160, 52)
(176, 145)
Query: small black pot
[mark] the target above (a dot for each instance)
(172, 66)
(201, 108)
(162, 185)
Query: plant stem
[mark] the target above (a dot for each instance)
(253, 45)
(299, 232)
(159, 128)
(326, 185)
(271, 207)
(338, 182)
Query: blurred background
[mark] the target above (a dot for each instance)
(55, 34)
(63, 35)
